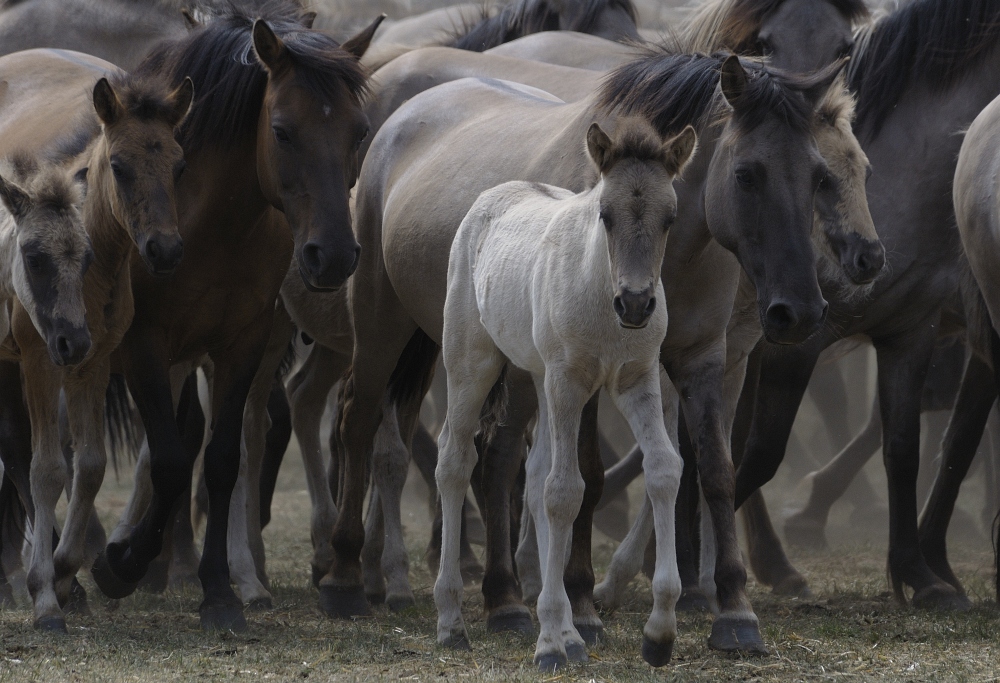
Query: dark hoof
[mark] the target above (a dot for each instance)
(941, 596)
(692, 600)
(108, 581)
(399, 603)
(592, 634)
(260, 605)
(318, 575)
(375, 598)
(51, 625)
(576, 652)
(793, 586)
(77, 603)
(458, 640)
(550, 662)
(656, 654)
(515, 619)
(733, 634)
(344, 603)
(156, 579)
(7, 596)
(225, 617)
(805, 532)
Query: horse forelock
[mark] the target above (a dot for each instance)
(230, 82)
(734, 24)
(928, 41)
(636, 139)
(676, 90)
(50, 187)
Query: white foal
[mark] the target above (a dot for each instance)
(568, 288)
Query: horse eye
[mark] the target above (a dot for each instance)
(846, 48)
(764, 46)
(744, 178)
(118, 170)
(179, 170)
(280, 134)
(824, 181)
(33, 262)
(606, 219)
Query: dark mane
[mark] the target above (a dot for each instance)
(675, 90)
(634, 138)
(743, 22)
(513, 21)
(931, 41)
(229, 82)
(585, 20)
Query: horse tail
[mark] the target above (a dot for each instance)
(119, 421)
(494, 413)
(513, 21)
(414, 370)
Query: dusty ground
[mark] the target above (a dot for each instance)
(852, 630)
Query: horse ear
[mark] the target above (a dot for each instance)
(109, 107)
(678, 150)
(14, 198)
(358, 45)
(819, 83)
(308, 19)
(269, 48)
(733, 79)
(598, 146)
(182, 98)
(190, 20)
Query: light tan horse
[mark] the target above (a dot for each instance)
(124, 135)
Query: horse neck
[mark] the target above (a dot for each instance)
(223, 173)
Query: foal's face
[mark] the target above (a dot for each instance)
(805, 35)
(848, 232)
(142, 161)
(53, 254)
(759, 204)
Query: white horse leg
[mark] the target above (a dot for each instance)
(662, 466)
(48, 477)
(85, 408)
(558, 639)
(390, 464)
(474, 365)
(627, 560)
(529, 568)
(311, 386)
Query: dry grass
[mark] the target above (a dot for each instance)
(852, 630)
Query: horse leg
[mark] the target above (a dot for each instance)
(371, 551)
(245, 543)
(471, 377)
(191, 420)
(500, 465)
(579, 575)
(902, 368)
(560, 404)
(278, 437)
(15, 452)
(620, 475)
(48, 479)
(308, 391)
(612, 513)
(976, 397)
(529, 566)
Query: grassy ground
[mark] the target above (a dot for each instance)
(851, 630)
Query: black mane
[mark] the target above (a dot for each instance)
(585, 20)
(229, 82)
(676, 90)
(513, 21)
(933, 41)
(746, 17)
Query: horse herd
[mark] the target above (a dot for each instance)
(546, 199)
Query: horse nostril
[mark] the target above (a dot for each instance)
(619, 306)
(650, 306)
(781, 316)
(312, 259)
(152, 250)
(63, 346)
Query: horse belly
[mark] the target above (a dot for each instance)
(503, 295)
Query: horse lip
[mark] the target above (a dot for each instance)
(310, 286)
(632, 327)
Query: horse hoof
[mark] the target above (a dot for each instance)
(735, 634)
(511, 619)
(375, 598)
(344, 603)
(941, 596)
(109, 583)
(223, 617)
(548, 663)
(51, 625)
(805, 532)
(264, 604)
(398, 603)
(156, 579)
(692, 601)
(656, 654)
(317, 575)
(7, 596)
(576, 652)
(77, 602)
(457, 640)
(592, 634)
(793, 586)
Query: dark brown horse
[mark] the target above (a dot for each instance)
(271, 152)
